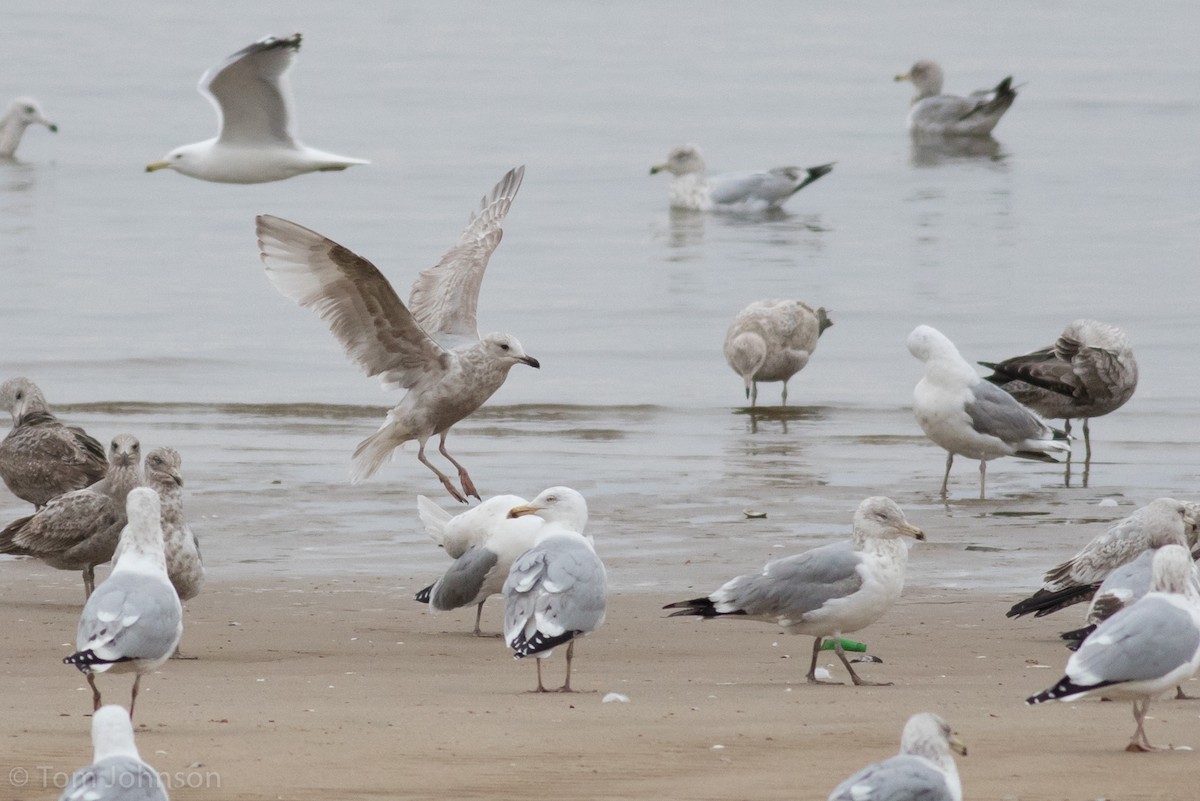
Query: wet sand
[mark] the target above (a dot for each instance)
(320, 688)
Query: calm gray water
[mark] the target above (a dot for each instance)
(138, 303)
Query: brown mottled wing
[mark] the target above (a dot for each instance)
(65, 521)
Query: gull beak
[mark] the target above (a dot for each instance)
(178, 479)
(904, 77)
(657, 168)
(532, 362)
(912, 531)
(957, 745)
(157, 165)
(521, 511)
(43, 121)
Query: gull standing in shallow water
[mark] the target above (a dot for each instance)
(924, 769)
(22, 112)
(432, 348)
(935, 113)
(557, 590)
(257, 138)
(828, 591)
(693, 190)
(1144, 649)
(117, 772)
(964, 414)
(133, 621)
(772, 340)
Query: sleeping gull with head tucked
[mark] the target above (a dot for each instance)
(1142, 650)
(117, 772)
(828, 591)
(22, 112)
(432, 347)
(964, 414)
(935, 113)
(772, 340)
(924, 769)
(693, 190)
(257, 140)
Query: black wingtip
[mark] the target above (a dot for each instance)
(84, 660)
(539, 643)
(423, 596)
(1044, 602)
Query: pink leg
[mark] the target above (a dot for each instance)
(133, 699)
(95, 690)
(566, 688)
(445, 479)
(467, 485)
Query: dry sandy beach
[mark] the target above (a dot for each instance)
(320, 688)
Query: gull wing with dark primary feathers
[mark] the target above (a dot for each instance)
(41, 458)
(553, 593)
(251, 94)
(771, 186)
(996, 413)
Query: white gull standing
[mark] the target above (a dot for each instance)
(557, 590)
(117, 772)
(772, 340)
(693, 190)
(935, 113)
(828, 591)
(1142, 650)
(257, 138)
(432, 348)
(966, 415)
(924, 770)
(22, 112)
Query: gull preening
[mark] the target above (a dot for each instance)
(1142, 650)
(117, 772)
(967, 416)
(924, 769)
(257, 140)
(828, 591)
(432, 347)
(557, 590)
(772, 340)
(133, 621)
(693, 190)
(935, 113)
(42, 457)
(22, 112)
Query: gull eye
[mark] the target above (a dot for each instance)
(178, 156)
(30, 110)
(504, 347)
(20, 395)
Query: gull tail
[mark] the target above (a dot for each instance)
(813, 173)
(996, 102)
(1065, 690)
(823, 321)
(435, 519)
(8, 542)
(698, 607)
(1043, 602)
(374, 451)
(86, 660)
(538, 643)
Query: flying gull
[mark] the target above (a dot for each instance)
(935, 113)
(257, 138)
(693, 190)
(964, 414)
(828, 591)
(117, 772)
(22, 112)
(772, 340)
(432, 348)
(924, 769)
(557, 590)
(133, 621)
(42, 457)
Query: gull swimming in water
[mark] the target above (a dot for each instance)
(828, 591)
(935, 113)
(966, 415)
(924, 770)
(133, 621)
(22, 112)
(117, 772)
(772, 340)
(42, 457)
(1142, 650)
(432, 347)
(693, 190)
(257, 138)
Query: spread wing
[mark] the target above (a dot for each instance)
(251, 93)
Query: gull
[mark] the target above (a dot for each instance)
(80, 529)
(432, 348)
(924, 769)
(935, 113)
(692, 190)
(557, 590)
(42, 457)
(1142, 650)
(22, 112)
(772, 340)
(133, 621)
(828, 591)
(257, 138)
(964, 414)
(181, 548)
(1164, 521)
(1088, 372)
(117, 772)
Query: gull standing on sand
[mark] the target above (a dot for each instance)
(80, 529)
(42, 457)
(1164, 521)
(432, 348)
(772, 340)
(1088, 372)
(181, 548)
(964, 414)
(1143, 650)
(133, 621)
(829, 591)
(924, 770)
(257, 138)
(557, 590)
(22, 112)
(693, 190)
(935, 113)
(117, 772)
(484, 542)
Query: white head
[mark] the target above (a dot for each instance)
(926, 342)
(1172, 570)
(112, 734)
(142, 535)
(561, 505)
(25, 111)
(681, 160)
(506, 349)
(926, 77)
(1167, 521)
(927, 735)
(21, 396)
(186, 159)
(746, 354)
(880, 518)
